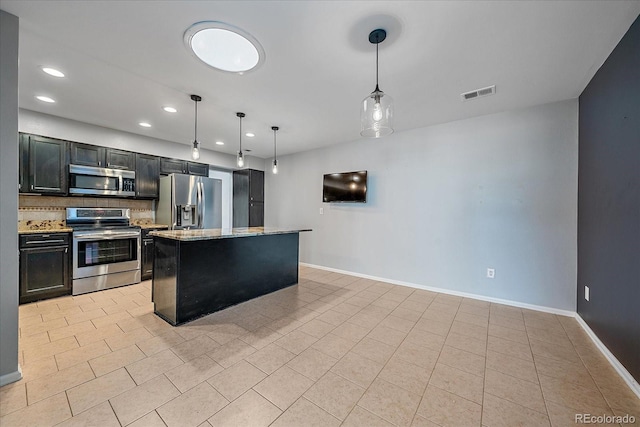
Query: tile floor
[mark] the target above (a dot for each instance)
(333, 350)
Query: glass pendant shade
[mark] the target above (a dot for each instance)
(195, 152)
(376, 115)
(240, 159)
(274, 168)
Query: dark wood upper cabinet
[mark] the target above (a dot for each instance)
(168, 166)
(119, 159)
(87, 155)
(101, 157)
(147, 176)
(43, 165)
(197, 169)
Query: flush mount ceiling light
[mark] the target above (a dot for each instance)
(224, 47)
(45, 99)
(376, 115)
(250, 134)
(170, 109)
(195, 151)
(145, 124)
(219, 143)
(274, 168)
(240, 155)
(53, 72)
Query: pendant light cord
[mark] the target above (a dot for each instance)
(377, 88)
(241, 134)
(274, 145)
(195, 130)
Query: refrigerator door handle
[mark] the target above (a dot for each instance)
(200, 203)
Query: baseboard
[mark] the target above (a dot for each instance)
(619, 367)
(11, 377)
(449, 291)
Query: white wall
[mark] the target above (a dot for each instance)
(9, 369)
(227, 195)
(58, 127)
(447, 201)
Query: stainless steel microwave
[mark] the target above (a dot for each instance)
(101, 181)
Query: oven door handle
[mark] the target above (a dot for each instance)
(115, 236)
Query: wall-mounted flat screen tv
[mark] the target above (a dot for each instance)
(345, 187)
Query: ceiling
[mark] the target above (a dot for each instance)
(124, 60)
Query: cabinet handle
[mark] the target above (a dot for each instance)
(99, 163)
(66, 250)
(32, 186)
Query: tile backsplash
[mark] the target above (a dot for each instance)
(51, 208)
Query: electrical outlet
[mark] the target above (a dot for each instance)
(491, 273)
(586, 293)
(321, 211)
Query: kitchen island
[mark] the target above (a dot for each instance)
(198, 272)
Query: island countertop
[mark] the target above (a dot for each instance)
(221, 233)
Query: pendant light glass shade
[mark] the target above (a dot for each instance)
(376, 112)
(274, 167)
(240, 154)
(376, 115)
(195, 151)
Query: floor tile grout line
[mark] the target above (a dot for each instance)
(544, 400)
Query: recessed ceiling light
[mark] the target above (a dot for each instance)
(224, 47)
(219, 143)
(45, 99)
(249, 134)
(144, 124)
(53, 72)
(170, 109)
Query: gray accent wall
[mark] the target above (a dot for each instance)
(9, 370)
(446, 202)
(609, 202)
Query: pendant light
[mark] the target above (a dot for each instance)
(240, 155)
(376, 115)
(195, 151)
(274, 168)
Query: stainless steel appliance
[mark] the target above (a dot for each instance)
(101, 181)
(188, 201)
(105, 249)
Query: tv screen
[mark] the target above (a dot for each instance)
(345, 187)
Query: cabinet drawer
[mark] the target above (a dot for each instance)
(44, 239)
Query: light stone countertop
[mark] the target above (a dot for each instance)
(221, 233)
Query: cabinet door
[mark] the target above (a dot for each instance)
(168, 166)
(87, 155)
(44, 273)
(256, 214)
(119, 159)
(147, 258)
(47, 165)
(240, 199)
(147, 176)
(197, 169)
(256, 186)
(23, 163)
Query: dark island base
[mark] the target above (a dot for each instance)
(194, 278)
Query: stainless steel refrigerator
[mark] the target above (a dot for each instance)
(188, 202)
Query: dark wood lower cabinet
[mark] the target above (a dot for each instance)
(44, 266)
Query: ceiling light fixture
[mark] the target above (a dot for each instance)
(170, 109)
(376, 115)
(195, 152)
(219, 143)
(45, 99)
(145, 124)
(53, 72)
(224, 47)
(240, 155)
(274, 168)
(249, 134)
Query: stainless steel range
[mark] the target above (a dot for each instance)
(106, 249)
